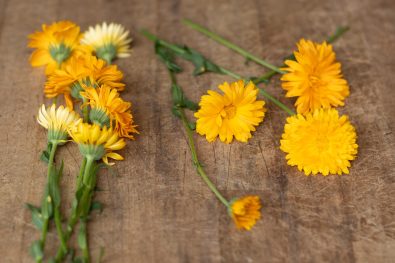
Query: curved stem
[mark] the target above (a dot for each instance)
(277, 102)
(230, 45)
(196, 162)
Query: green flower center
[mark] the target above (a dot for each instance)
(57, 136)
(60, 52)
(91, 151)
(99, 117)
(76, 87)
(107, 53)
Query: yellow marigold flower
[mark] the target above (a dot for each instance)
(320, 142)
(57, 121)
(97, 143)
(246, 211)
(54, 44)
(315, 77)
(235, 113)
(107, 108)
(80, 70)
(108, 41)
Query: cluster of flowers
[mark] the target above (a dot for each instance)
(78, 68)
(316, 139)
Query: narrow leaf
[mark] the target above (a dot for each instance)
(37, 218)
(36, 251)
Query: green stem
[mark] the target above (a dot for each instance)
(84, 170)
(81, 173)
(180, 51)
(338, 33)
(59, 229)
(88, 166)
(230, 45)
(196, 162)
(85, 249)
(49, 172)
(275, 101)
(192, 147)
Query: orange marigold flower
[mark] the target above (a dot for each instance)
(54, 44)
(314, 78)
(107, 108)
(246, 211)
(79, 71)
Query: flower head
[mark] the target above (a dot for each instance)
(107, 108)
(235, 113)
(315, 77)
(97, 143)
(79, 71)
(246, 211)
(320, 142)
(57, 122)
(54, 44)
(108, 41)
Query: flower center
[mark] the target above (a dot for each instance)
(99, 117)
(93, 151)
(60, 52)
(239, 209)
(315, 81)
(107, 52)
(229, 112)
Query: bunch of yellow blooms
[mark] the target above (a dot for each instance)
(78, 68)
(316, 139)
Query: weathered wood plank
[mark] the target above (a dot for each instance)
(156, 207)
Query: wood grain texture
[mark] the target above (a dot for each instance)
(156, 208)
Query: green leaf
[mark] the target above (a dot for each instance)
(176, 111)
(167, 57)
(82, 243)
(54, 189)
(37, 218)
(96, 206)
(254, 79)
(177, 95)
(36, 251)
(46, 204)
(202, 64)
(46, 153)
(78, 260)
(191, 105)
(192, 125)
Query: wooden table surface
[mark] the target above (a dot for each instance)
(156, 207)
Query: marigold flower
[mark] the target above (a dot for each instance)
(233, 114)
(246, 211)
(108, 41)
(315, 77)
(54, 44)
(57, 122)
(79, 71)
(320, 142)
(107, 108)
(97, 143)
